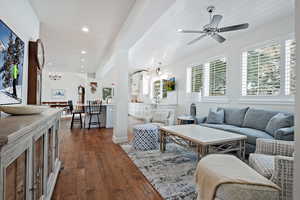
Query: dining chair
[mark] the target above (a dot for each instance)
(94, 109)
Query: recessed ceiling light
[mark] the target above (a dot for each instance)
(82, 60)
(83, 52)
(85, 29)
(179, 30)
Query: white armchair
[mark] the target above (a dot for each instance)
(161, 117)
(274, 160)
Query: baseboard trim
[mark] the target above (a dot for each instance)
(118, 140)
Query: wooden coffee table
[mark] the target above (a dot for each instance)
(203, 140)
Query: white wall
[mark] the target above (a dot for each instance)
(69, 82)
(232, 50)
(20, 17)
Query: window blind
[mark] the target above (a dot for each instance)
(261, 71)
(197, 78)
(217, 77)
(290, 58)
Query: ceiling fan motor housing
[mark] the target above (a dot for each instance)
(211, 9)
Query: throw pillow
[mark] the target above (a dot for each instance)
(234, 116)
(215, 116)
(280, 120)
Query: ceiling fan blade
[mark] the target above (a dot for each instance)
(218, 37)
(197, 39)
(215, 21)
(189, 31)
(233, 28)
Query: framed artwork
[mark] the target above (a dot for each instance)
(11, 66)
(93, 86)
(58, 94)
(107, 93)
(170, 84)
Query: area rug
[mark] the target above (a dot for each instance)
(171, 173)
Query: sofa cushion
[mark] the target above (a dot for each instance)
(279, 121)
(258, 119)
(234, 116)
(215, 116)
(252, 134)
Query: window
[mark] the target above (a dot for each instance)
(156, 88)
(208, 79)
(261, 71)
(216, 77)
(290, 73)
(197, 78)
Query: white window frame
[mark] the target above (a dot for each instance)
(287, 72)
(205, 92)
(207, 77)
(282, 98)
(189, 78)
(244, 69)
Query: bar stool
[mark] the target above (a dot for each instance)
(74, 113)
(94, 109)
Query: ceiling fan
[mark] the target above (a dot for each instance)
(212, 28)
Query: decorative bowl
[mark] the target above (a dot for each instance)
(22, 109)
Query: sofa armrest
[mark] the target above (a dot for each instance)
(274, 147)
(283, 175)
(285, 134)
(201, 120)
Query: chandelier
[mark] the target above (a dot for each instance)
(55, 76)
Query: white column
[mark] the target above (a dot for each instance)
(121, 64)
(297, 109)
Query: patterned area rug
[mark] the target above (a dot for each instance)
(171, 173)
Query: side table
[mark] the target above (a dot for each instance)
(185, 120)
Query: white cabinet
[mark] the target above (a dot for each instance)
(30, 164)
(109, 116)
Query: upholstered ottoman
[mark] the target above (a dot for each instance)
(146, 137)
(225, 177)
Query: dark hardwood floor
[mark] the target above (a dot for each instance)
(97, 169)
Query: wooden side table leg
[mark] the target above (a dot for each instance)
(162, 141)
